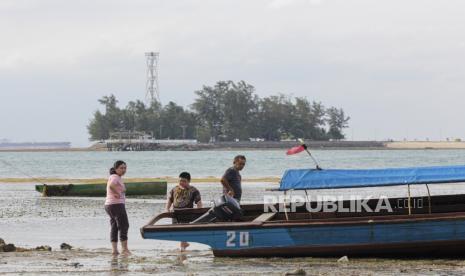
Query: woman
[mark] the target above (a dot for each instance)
(115, 208)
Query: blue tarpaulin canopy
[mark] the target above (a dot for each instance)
(306, 179)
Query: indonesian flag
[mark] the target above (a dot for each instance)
(296, 149)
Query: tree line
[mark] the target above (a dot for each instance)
(226, 111)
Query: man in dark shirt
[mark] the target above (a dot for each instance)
(232, 179)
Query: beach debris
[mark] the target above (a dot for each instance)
(344, 259)
(7, 248)
(65, 246)
(299, 272)
(76, 265)
(43, 248)
(4, 247)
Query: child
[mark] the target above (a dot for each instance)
(183, 196)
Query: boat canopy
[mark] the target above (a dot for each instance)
(308, 179)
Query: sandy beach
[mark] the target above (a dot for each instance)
(100, 262)
(425, 145)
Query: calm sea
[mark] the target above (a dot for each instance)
(211, 163)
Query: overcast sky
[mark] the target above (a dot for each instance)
(396, 67)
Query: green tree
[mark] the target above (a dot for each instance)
(276, 117)
(177, 123)
(302, 125)
(337, 121)
(228, 111)
(318, 122)
(102, 124)
(239, 103)
(209, 107)
(98, 127)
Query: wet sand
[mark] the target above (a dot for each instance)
(169, 179)
(99, 262)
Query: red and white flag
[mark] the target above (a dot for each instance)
(295, 150)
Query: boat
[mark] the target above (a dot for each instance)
(415, 226)
(99, 189)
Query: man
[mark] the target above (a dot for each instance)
(183, 196)
(232, 179)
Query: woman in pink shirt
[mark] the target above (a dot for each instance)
(115, 208)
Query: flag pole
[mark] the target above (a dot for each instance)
(310, 154)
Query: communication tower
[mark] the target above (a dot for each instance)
(152, 92)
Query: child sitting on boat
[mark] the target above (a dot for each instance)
(183, 196)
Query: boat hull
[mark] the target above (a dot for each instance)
(393, 250)
(99, 190)
(400, 236)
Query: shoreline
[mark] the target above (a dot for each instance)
(168, 179)
(283, 145)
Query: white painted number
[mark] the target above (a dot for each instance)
(244, 239)
(231, 239)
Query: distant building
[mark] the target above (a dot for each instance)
(140, 141)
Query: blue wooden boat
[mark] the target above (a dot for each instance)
(434, 227)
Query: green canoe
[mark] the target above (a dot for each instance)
(99, 190)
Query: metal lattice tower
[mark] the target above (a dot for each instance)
(153, 94)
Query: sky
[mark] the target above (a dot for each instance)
(396, 67)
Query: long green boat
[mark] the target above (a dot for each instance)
(100, 189)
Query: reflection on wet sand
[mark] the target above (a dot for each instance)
(201, 262)
(119, 264)
(182, 258)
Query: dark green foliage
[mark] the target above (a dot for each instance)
(226, 111)
(337, 121)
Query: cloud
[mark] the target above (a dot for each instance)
(386, 62)
(278, 4)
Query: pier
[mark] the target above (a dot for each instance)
(141, 141)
